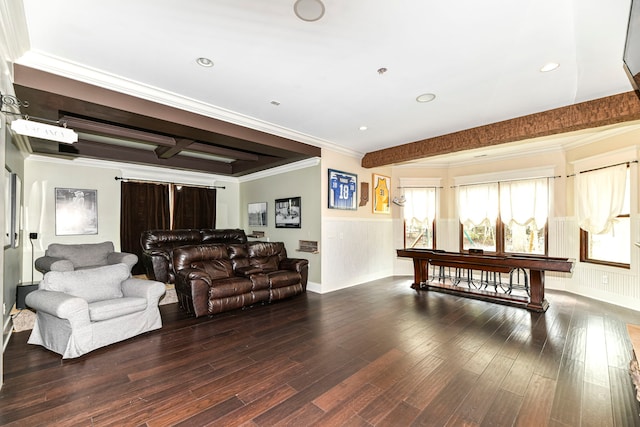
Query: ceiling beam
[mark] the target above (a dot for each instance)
(132, 155)
(585, 115)
(178, 146)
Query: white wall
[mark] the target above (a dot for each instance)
(357, 245)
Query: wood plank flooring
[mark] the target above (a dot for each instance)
(378, 354)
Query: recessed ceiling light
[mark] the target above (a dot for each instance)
(204, 62)
(549, 66)
(363, 128)
(309, 10)
(426, 97)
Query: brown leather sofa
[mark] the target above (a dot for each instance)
(158, 244)
(212, 278)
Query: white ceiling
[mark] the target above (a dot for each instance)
(480, 59)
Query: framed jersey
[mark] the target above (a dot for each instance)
(381, 194)
(342, 190)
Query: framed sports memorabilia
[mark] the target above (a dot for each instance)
(257, 214)
(342, 190)
(381, 193)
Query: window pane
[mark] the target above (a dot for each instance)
(613, 246)
(524, 239)
(481, 236)
(418, 235)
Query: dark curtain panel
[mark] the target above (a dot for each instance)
(194, 207)
(143, 206)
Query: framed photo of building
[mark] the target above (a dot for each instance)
(288, 212)
(381, 194)
(257, 214)
(342, 190)
(76, 211)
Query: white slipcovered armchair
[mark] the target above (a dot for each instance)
(82, 310)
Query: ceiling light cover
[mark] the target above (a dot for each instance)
(309, 10)
(549, 66)
(426, 97)
(204, 62)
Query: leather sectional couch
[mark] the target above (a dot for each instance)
(158, 244)
(212, 278)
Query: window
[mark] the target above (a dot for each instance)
(604, 216)
(504, 217)
(419, 215)
(478, 208)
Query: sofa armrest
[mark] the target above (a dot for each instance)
(141, 288)
(194, 284)
(294, 264)
(60, 305)
(49, 263)
(122, 258)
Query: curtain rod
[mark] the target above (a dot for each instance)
(604, 167)
(119, 178)
(506, 180)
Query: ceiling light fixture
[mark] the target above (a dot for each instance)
(363, 128)
(204, 62)
(426, 97)
(549, 66)
(309, 10)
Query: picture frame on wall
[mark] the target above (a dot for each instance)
(288, 212)
(381, 194)
(257, 214)
(343, 190)
(76, 211)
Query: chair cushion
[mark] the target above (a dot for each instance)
(108, 309)
(95, 284)
(82, 255)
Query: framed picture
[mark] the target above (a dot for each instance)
(381, 194)
(76, 211)
(257, 214)
(342, 190)
(288, 212)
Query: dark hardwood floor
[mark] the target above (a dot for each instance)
(376, 354)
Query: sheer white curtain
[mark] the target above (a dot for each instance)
(523, 201)
(601, 196)
(420, 204)
(477, 203)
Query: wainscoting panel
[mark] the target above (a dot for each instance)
(614, 285)
(355, 251)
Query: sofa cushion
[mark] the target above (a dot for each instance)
(266, 255)
(111, 308)
(82, 255)
(211, 258)
(95, 284)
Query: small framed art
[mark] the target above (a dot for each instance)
(288, 212)
(76, 211)
(381, 193)
(257, 214)
(342, 190)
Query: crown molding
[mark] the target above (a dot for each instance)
(79, 72)
(303, 164)
(140, 172)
